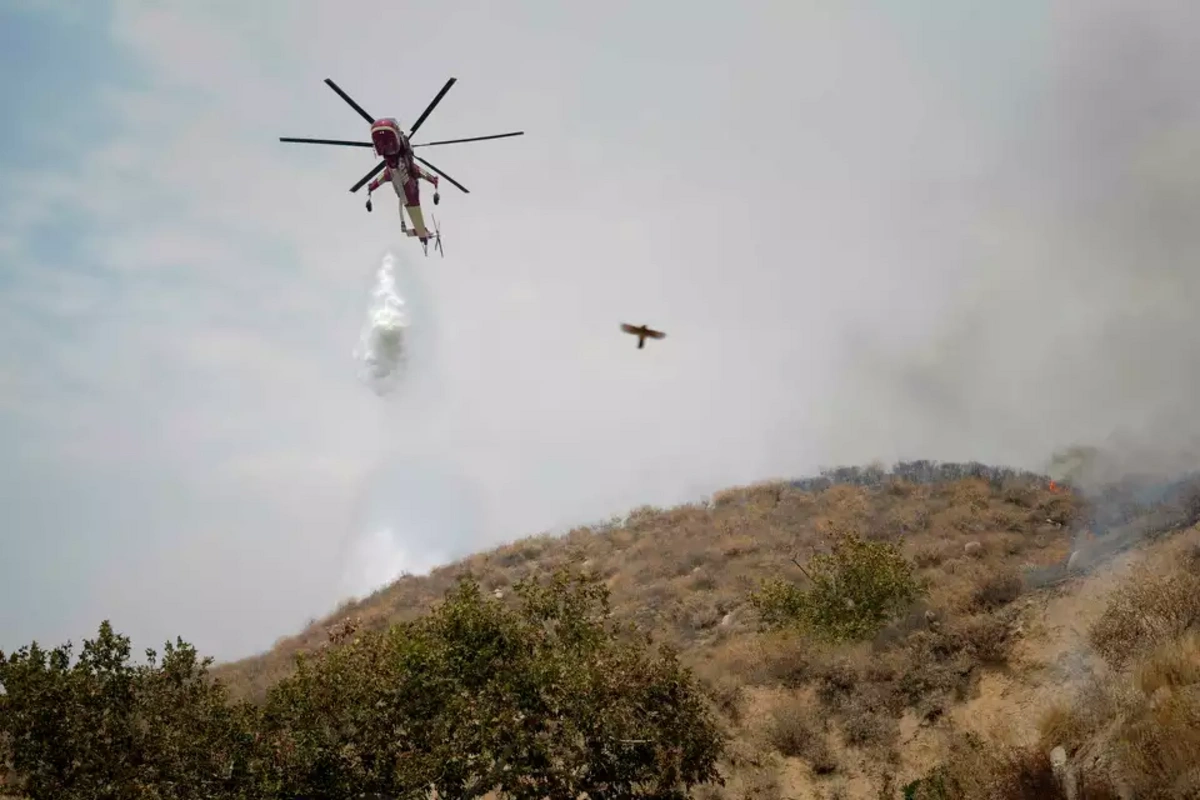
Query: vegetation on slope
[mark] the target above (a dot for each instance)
(1131, 727)
(545, 700)
(855, 589)
(686, 573)
(824, 638)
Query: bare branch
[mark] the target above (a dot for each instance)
(802, 569)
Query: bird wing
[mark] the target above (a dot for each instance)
(630, 329)
(655, 334)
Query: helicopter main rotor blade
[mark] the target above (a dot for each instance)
(431, 106)
(368, 176)
(443, 174)
(326, 141)
(471, 139)
(353, 104)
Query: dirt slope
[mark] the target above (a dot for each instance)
(1001, 636)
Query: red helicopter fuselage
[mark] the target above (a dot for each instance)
(390, 142)
(397, 160)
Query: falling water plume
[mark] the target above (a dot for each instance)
(381, 350)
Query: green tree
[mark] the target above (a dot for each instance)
(105, 728)
(854, 590)
(547, 699)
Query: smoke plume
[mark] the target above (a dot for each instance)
(1075, 320)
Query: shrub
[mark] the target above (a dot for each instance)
(1146, 720)
(929, 556)
(727, 695)
(1157, 743)
(866, 724)
(1159, 746)
(856, 589)
(545, 699)
(106, 728)
(1146, 611)
(1100, 701)
(1172, 666)
(978, 772)
(997, 591)
(541, 700)
(793, 733)
(986, 638)
(784, 659)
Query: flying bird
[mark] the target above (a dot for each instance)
(642, 332)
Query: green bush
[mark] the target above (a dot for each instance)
(854, 590)
(545, 699)
(104, 728)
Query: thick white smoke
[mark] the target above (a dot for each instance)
(382, 347)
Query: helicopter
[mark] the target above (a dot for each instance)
(398, 161)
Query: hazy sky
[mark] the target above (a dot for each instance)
(872, 229)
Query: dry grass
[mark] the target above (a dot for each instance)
(1074, 724)
(975, 771)
(997, 591)
(1141, 717)
(1155, 745)
(795, 731)
(685, 572)
(812, 719)
(1149, 610)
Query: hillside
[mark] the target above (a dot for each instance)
(1004, 635)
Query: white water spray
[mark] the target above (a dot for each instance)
(382, 352)
(379, 557)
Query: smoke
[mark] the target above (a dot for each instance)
(1071, 341)
(381, 351)
(1075, 318)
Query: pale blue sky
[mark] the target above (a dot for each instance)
(846, 217)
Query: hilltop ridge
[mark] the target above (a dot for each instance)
(1015, 568)
(772, 519)
(932, 631)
